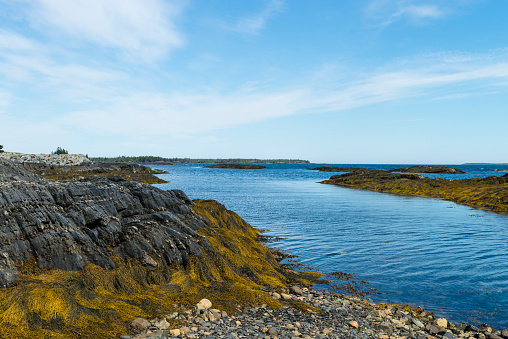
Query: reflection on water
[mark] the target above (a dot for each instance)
(444, 257)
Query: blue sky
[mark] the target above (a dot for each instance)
(364, 81)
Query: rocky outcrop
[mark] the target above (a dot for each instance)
(48, 159)
(82, 258)
(131, 172)
(236, 166)
(67, 225)
(429, 169)
(489, 193)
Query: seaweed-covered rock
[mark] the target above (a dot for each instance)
(67, 225)
(429, 169)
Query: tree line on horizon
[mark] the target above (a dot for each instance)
(155, 159)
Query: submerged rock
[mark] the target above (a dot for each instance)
(236, 166)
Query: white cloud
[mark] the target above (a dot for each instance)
(184, 114)
(4, 101)
(253, 24)
(15, 42)
(387, 12)
(191, 113)
(140, 27)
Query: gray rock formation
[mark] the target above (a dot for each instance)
(47, 159)
(67, 225)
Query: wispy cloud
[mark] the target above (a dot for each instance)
(4, 101)
(191, 113)
(140, 27)
(387, 12)
(254, 23)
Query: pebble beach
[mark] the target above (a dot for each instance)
(332, 316)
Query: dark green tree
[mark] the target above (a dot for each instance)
(60, 150)
(1, 148)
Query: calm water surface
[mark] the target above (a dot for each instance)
(447, 258)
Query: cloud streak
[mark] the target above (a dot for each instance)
(193, 113)
(387, 12)
(140, 27)
(253, 24)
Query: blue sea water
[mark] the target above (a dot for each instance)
(447, 258)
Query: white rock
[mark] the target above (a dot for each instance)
(204, 304)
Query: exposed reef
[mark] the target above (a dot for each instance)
(429, 169)
(412, 169)
(236, 166)
(130, 172)
(83, 258)
(337, 169)
(489, 193)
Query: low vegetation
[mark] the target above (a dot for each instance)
(60, 150)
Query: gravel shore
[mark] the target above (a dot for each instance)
(332, 316)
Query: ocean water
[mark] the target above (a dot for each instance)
(447, 258)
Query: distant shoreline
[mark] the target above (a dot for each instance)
(156, 160)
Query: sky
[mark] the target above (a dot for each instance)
(329, 81)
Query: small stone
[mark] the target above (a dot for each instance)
(172, 315)
(238, 322)
(296, 290)
(383, 336)
(161, 324)
(125, 336)
(194, 329)
(290, 326)
(140, 324)
(175, 332)
(204, 304)
(441, 322)
(494, 336)
(276, 295)
(272, 331)
(286, 296)
(504, 333)
(326, 331)
(486, 328)
(223, 314)
(449, 335)
(432, 329)
(418, 323)
(353, 323)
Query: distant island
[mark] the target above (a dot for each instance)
(236, 166)
(156, 160)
